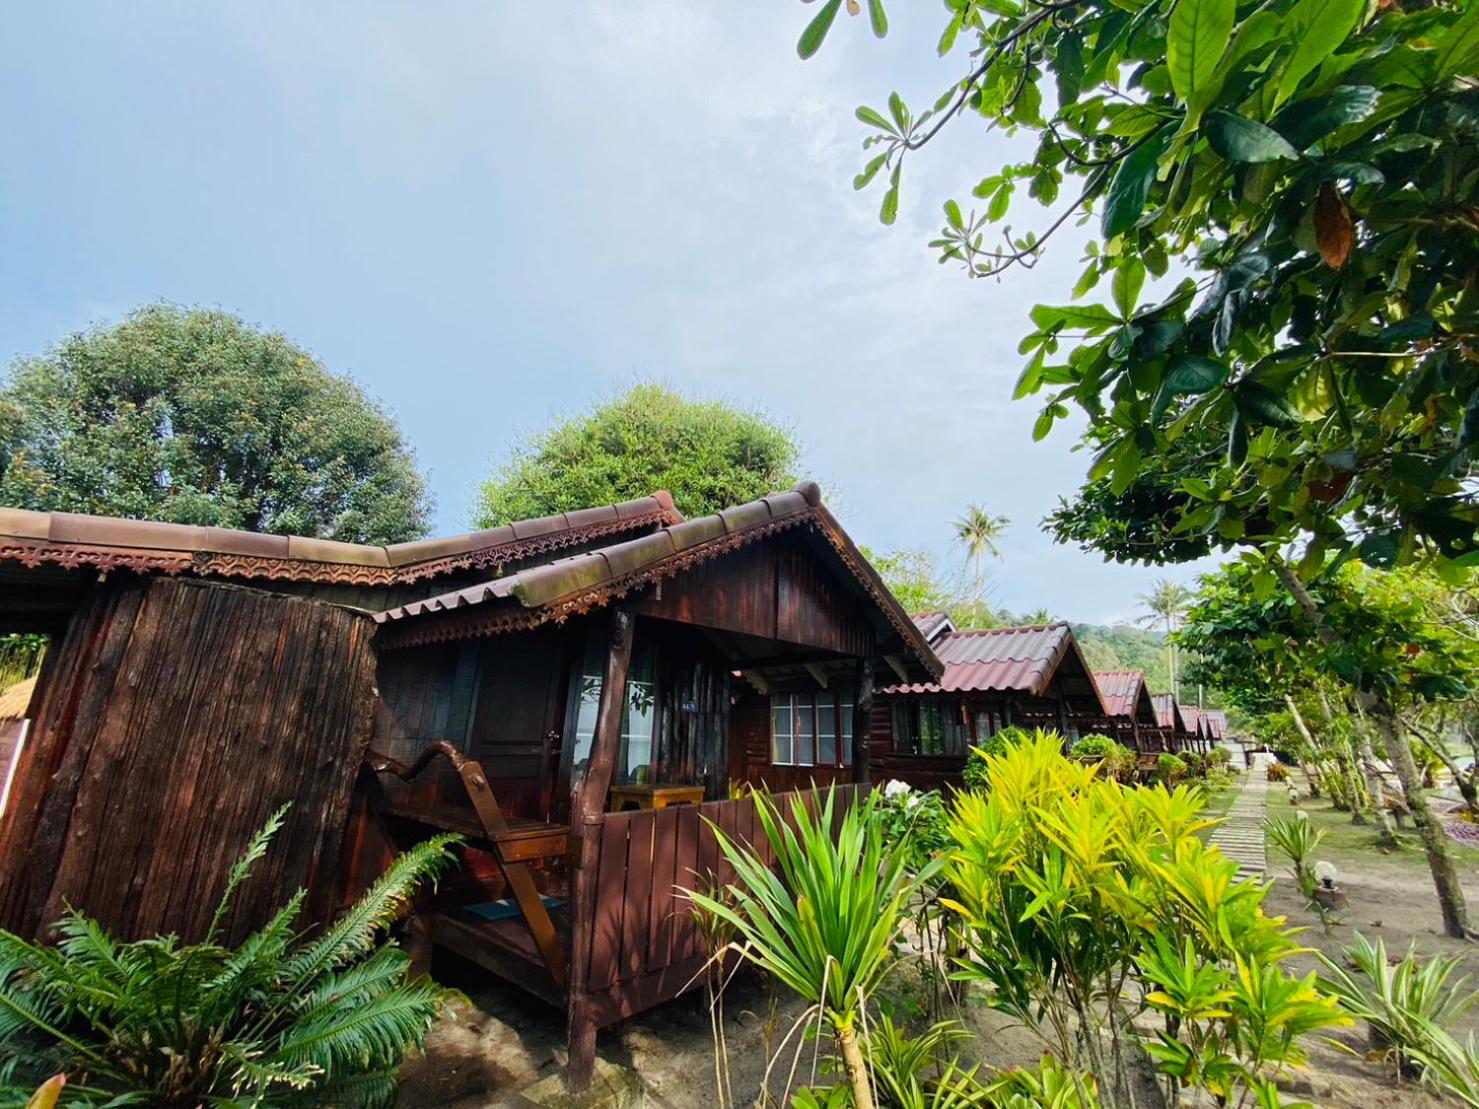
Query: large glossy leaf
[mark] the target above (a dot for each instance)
(1308, 121)
(1199, 33)
(1260, 404)
(1317, 27)
(1192, 373)
(1239, 139)
(1130, 189)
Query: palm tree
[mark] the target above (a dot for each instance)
(1167, 602)
(979, 532)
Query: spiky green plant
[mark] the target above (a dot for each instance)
(825, 922)
(1402, 1002)
(1297, 839)
(279, 1019)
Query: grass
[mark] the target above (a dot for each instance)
(1354, 846)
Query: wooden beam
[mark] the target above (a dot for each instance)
(896, 664)
(756, 679)
(588, 805)
(816, 672)
(862, 722)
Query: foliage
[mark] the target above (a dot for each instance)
(1315, 162)
(192, 416)
(900, 1065)
(916, 818)
(1117, 760)
(20, 657)
(1402, 1002)
(275, 1020)
(1297, 839)
(913, 578)
(977, 774)
(980, 533)
(1170, 768)
(825, 921)
(1277, 772)
(709, 455)
(1045, 1086)
(1083, 904)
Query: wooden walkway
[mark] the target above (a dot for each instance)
(1241, 833)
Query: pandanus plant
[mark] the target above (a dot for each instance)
(827, 919)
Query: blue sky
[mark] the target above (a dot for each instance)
(490, 216)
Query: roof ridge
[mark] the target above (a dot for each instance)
(1010, 628)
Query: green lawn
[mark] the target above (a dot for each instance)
(1353, 845)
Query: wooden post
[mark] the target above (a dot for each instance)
(587, 806)
(862, 723)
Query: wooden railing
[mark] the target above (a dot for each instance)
(646, 945)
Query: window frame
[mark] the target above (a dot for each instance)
(812, 699)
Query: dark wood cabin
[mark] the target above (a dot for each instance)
(1171, 734)
(1198, 730)
(722, 653)
(1129, 713)
(1030, 677)
(513, 685)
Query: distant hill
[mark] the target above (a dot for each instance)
(1125, 647)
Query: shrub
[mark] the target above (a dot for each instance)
(1219, 757)
(1086, 908)
(1402, 1003)
(975, 764)
(915, 817)
(1277, 772)
(1117, 759)
(1196, 764)
(1170, 769)
(1296, 838)
(277, 1018)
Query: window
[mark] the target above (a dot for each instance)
(638, 722)
(811, 729)
(930, 728)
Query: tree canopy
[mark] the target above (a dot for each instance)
(707, 454)
(194, 417)
(1315, 162)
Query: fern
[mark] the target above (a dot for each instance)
(275, 1020)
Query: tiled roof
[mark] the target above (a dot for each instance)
(1217, 721)
(554, 590)
(932, 625)
(106, 542)
(1193, 718)
(1165, 709)
(1120, 689)
(1020, 659)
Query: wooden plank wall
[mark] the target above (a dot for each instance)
(646, 946)
(174, 717)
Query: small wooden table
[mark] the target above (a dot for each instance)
(654, 796)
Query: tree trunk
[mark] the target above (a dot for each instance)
(1465, 782)
(1379, 710)
(857, 1070)
(1375, 786)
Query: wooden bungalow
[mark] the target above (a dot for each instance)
(1171, 733)
(1129, 712)
(578, 696)
(1198, 730)
(1033, 677)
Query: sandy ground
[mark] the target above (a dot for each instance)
(506, 1040)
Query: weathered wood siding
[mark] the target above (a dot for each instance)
(173, 718)
(771, 590)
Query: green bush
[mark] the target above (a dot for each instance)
(1404, 1004)
(277, 1019)
(1196, 763)
(1277, 772)
(1296, 839)
(975, 762)
(1170, 768)
(1219, 756)
(1117, 759)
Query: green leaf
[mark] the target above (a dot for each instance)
(947, 38)
(1260, 404)
(1243, 140)
(1091, 317)
(816, 31)
(1069, 69)
(1197, 36)
(869, 171)
(1316, 27)
(1129, 278)
(889, 211)
(1000, 202)
(1458, 53)
(1043, 424)
(1031, 376)
(1237, 440)
(873, 119)
(1305, 122)
(878, 18)
(898, 111)
(1191, 374)
(1380, 549)
(1130, 189)
(953, 216)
